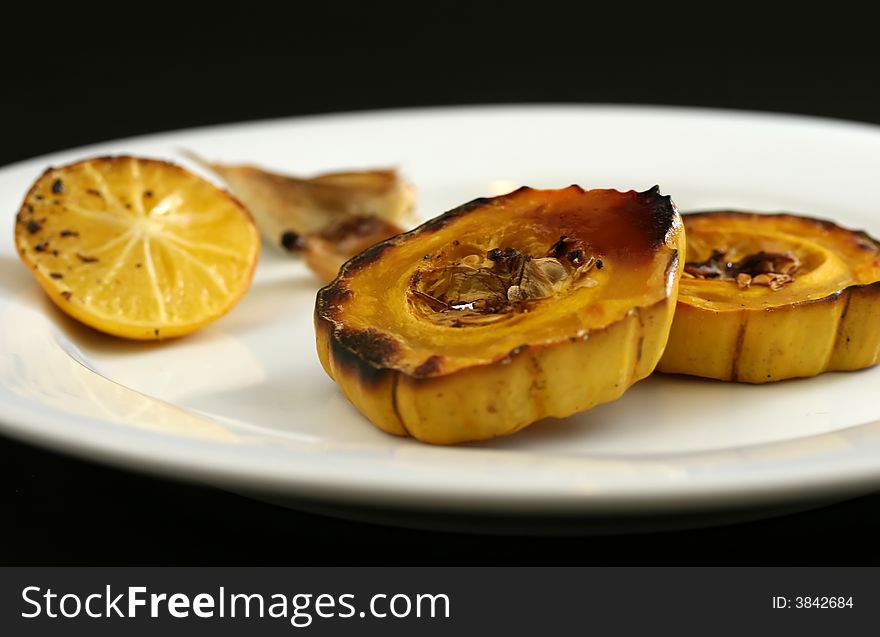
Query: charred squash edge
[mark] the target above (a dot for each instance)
(347, 347)
(823, 223)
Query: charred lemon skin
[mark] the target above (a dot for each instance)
(826, 319)
(443, 384)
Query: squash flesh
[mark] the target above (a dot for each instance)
(824, 320)
(446, 384)
(620, 287)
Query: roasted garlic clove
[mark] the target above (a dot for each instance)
(328, 218)
(325, 252)
(769, 297)
(477, 324)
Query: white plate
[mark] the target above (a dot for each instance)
(244, 404)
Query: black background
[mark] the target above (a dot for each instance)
(85, 74)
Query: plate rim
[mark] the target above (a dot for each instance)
(462, 109)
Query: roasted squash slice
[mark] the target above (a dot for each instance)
(504, 311)
(769, 297)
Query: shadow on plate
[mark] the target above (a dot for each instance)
(552, 525)
(16, 278)
(259, 306)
